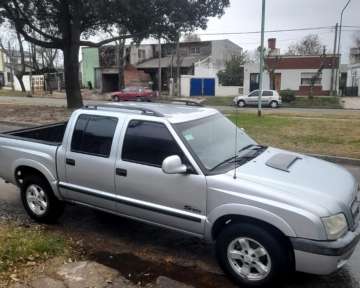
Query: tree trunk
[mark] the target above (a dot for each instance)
(72, 79)
(121, 64)
(21, 82)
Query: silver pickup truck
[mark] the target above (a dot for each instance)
(269, 211)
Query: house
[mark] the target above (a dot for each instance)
(199, 63)
(298, 73)
(99, 66)
(353, 73)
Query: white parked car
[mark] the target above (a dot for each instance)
(270, 98)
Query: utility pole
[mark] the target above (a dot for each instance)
(30, 94)
(12, 68)
(159, 68)
(333, 86)
(262, 56)
(339, 48)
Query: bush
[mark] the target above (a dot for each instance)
(287, 95)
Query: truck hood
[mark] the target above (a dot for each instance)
(301, 181)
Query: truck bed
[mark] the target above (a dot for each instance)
(50, 134)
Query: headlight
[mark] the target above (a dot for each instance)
(336, 226)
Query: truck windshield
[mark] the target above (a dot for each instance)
(212, 139)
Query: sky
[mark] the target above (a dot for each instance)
(245, 15)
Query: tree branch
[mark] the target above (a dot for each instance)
(104, 42)
(19, 26)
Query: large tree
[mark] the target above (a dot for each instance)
(233, 74)
(68, 24)
(309, 45)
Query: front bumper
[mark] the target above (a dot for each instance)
(324, 257)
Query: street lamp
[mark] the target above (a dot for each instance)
(339, 46)
(261, 57)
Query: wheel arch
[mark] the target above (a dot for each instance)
(224, 214)
(30, 167)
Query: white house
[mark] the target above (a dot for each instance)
(292, 72)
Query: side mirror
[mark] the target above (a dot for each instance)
(173, 165)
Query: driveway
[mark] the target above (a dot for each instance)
(142, 252)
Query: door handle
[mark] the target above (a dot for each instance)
(70, 162)
(121, 172)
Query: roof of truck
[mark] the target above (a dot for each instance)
(175, 113)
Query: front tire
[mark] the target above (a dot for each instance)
(39, 200)
(241, 104)
(252, 256)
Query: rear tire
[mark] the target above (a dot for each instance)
(39, 200)
(116, 99)
(274, 104)
(241, 104)
(263, 260)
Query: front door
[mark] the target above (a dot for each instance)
(90, 162)
(277, 81)
(177, 201)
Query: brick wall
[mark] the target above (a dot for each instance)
(302, 62)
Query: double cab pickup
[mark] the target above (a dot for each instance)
(190, 169)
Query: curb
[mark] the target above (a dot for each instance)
(338, 160)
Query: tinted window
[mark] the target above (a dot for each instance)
(149, 143)
(267, 93)
(94, 135)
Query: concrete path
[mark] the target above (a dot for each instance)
(351, 102)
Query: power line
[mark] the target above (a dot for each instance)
(269, 31)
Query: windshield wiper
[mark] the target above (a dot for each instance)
(229, 160)
(258, 147)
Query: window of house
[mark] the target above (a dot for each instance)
(195, 50)
(309, 78)
(9, 77)
(141, 54)
(94, 135)
(149, 143)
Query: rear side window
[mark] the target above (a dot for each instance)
(94, 135)
(267, 93)
(149, 143)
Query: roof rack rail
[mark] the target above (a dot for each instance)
(143, 110)
(197, 103)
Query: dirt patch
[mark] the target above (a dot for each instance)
(33, 114)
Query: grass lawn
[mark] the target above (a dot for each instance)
(328, 102)
(4, 92)
(337, 135)
(21, 246)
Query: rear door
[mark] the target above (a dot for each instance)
(90, 161)
(266, 96)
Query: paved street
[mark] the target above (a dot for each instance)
(225, 109)
(139, 249)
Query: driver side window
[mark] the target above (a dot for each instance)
(254, 94)
(149, 143)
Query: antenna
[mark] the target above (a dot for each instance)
(236, 138)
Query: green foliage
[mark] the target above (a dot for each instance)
(287, 95)
(20, 245)
(233, 75)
